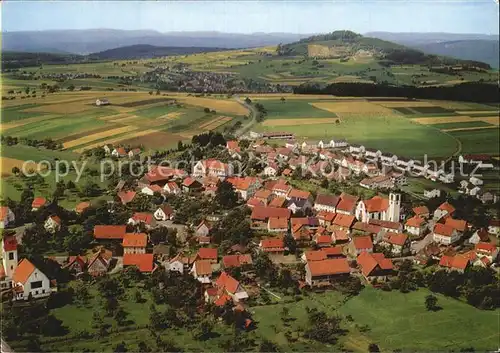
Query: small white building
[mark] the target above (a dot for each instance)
(7, 217)
(432, 193)
(101, 101)
(444, 234)
(476, 181)
(202, 271)
(164, 213)
(29, 282)
(52, 224)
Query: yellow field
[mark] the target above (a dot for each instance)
(443, 120)
(491, 120)
(7, 164)
(170, 116)
(300, 121)
(406, 104)
(214, 124)
(124, 119)
(63, 108)
(471, 128)
(98, 136)
(467, 112)
(226, 106)
(366, 108)
(114, 117)
(116, 139)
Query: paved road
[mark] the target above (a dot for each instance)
(253, 118)
(6, 348)
(419, 245)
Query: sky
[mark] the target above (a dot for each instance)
(314, 16)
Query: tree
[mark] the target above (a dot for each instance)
(225, 195)
(81, 294)
(120, 316)
(15, 170)
(282, 99)
(268, 346)
(204, 330)
(372, 347)
(431, 302)
(159, 235)
(71, 87)
(248, 100)
(120, 348)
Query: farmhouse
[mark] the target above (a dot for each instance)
(374, 266)
(347, 204)
(190, 184)
(416, 225)
(387, 226)
(29, 282)
(398, 243)
(76, 264)
(231, 286)
(487, 249)
(445, 209)
(444, 234)
(142, 218)
(126, 196)
(326, 203)
(109, 232)
(324, 272)
(101, 101)
(458, 224)
(211, 167)
(164, 213)
(144, 262)
(260, 215)
(98, 264)
(52, 224)
(454, 263)
(360, 244)
(240, 261)
(151, 189)
(272, 245)
(202, 271)
(7, 217)
(135, 243)
(421, 211)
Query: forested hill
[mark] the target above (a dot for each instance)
(346, 45)
(143, 51)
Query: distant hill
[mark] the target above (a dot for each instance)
(98, 40)
(478, 47)
(345, 45)
(479, 50)
(142, 51)
(16, 60)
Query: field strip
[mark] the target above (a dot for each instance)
(22, 122)
(215, 121)
(466, 112)
(353, 107)
(75, 107)
(116, 139)
(124, 119)
(216, 124)
(494, 120)
(406, 104)
(299, 121)
(170, 116)
(443, 119)
(189, 133)
(219, 105)
(471, 128)
(114, 116)
(100, 135)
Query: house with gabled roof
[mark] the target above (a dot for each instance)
(444, 234)
(454, 263)
(164, 213)
(82, 207)
(458, 224)
(488, 250)
(325, 218)
(151, 189)
(239, 261)
(260, 215)
(209, 254)
(278, 202)
(325, 272)
(202, 271)
(102, 232)
(416, 225)
(360, 244)
(119, 152)
(212, 167)
(99, 263)
(399, 243)
(277, 225)
(52, 224)
(126, 196)
(231, 286)
(374, 266)
(190, 184)
(142, 218)
(135, 243)
(445, 209)
(143, 262)
(272, 245)
(38, 202)
(347, 204)
(422, 211)
(325, 202)
(387, 226)
(7, 217)
(172, 188)
(76, 264)
(29, 282)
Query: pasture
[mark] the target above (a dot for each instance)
(401, 321)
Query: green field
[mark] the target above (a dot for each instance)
(460, 125)
(400, 321)
(25, 153)
(479, 141)
(392, 134)
(293, 109)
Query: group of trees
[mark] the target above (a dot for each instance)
(214, 138)
(47, 143)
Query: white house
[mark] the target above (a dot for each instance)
(444, 234)
(172, 188)
(101, 101)
(356, 149)
(7, 217)
(176, 264)
(326, 203)
(52, 224)
(9, 255)
(476, 181)
(271, 170)
(202, 271)
(334, 143)
(379, 208)
(29, 282)
(432, 193)
(151, 189)
(164, 213)
(494, 227)
(443, 210)
(416, 225)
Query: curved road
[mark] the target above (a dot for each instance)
(253, 118)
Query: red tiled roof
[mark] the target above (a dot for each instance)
(222, 300)
(203, 267)
(232, 145)
(236, 260)
(458, 261)
(415, 221)
(188, 181)
(329, 267)
(447, 207)
(364, 242)
(443, 229)
(317, 255)
(252, 202)
(167, 210)
(277, 202)
(139, 240)
(278, 223)
(327, 216)
(366, 227)
(376, 204)
(327, 200)
(227, 282)
(10, 243)
(420, 210)
(299, 194)
(385, 224)
(332, 251)
(23, 271)
(144, 262)
(56, 219)
(458, 224)
(271, 243)
(4, 211)
(264, 213)
(143, 217)
(396, 238)
(369, 262)
(207, 253)
(80, 259)
(262, 194)
(343, 220)
(126, 196)
(347, 203)
(323, 239)
(38, 202)
(82, 206)
(340, 235)
(109, 232)
(485, 247)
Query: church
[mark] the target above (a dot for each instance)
(379, 208)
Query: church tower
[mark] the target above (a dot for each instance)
(394, 207)
(9, 255)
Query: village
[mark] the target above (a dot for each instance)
(258, 222)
